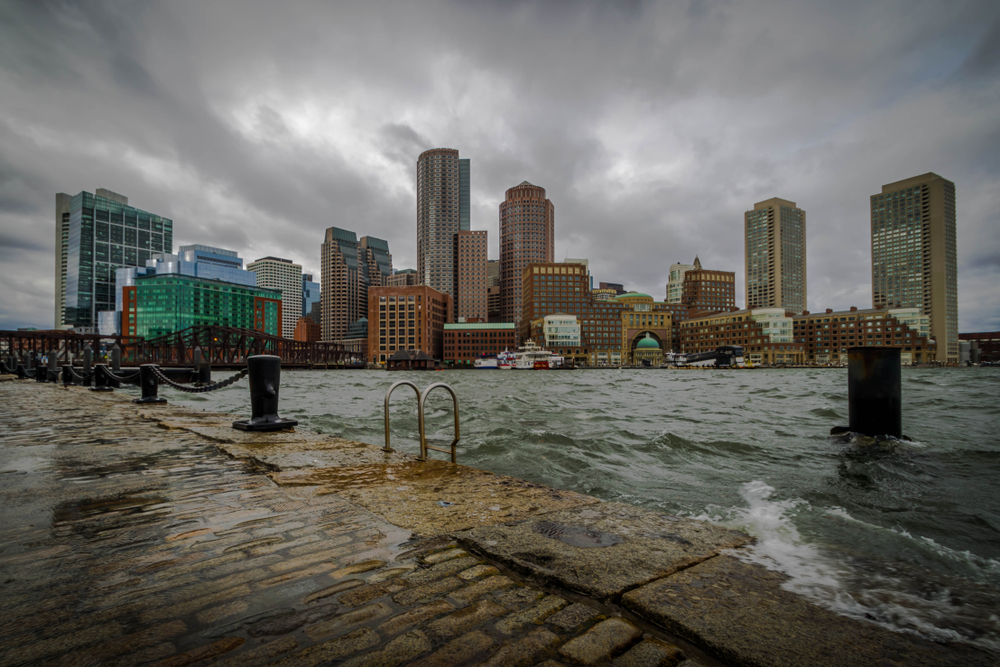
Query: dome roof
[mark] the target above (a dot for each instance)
(647, 343)
(633, 294)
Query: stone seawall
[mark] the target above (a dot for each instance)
(160, 535)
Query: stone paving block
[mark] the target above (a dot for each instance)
(519, 620)
(60, 644)
(368, 593)
(392, 572)
(525, 651)
(651, 652)
(427, 591)
(287, 564)
(550, 663)
(359, 640)
(440, 570)
(215, 614)
(260, 653)
(401, 650)
(441, 556)
(601, 550)
(400, 622)
(200, 565)
(190, 606)
(481, 588)
(143, 656)
(574, 616)
(739, 611)
(519, 597)
(357, 568)
(601, 642)
(282, 579)
(458, 651)
(465, 619)
(128, 644)
(340, 587)
(212, 650)
(477, 572)
(201, 588)
(345, 620)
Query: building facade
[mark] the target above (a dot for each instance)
(306, 330)
(527, 235)
(470, 275)
(344, 292)
(827, 336)
(675, 282)
(775, 241)
(406, 318)
(765, 334)
(286, 277)
(914, 254)
(97, 234)
(707, 290)
(310, 295)
(162, 304)
(377, 260)
(465, 341)
(442, 187)
(984, 347)
(402, 278)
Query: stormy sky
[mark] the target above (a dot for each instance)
(653, 126)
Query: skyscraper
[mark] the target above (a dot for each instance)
(344, 285)
(675, 283)
(470, 274)
(378, 261)
(914, 254)
(96, 234)
(527, 235)
(283, 275)
(442, 211)
(775, 238)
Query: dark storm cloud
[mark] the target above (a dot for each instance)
(652, 126)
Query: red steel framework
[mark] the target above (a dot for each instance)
(221, 346)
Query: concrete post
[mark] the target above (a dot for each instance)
(874, 390)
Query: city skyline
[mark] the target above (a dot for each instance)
(647, 169)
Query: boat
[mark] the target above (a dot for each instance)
(533, 357)
(487, 362)
(506, 360)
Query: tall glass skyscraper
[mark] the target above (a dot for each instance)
(775, 240)
(914, 254)
(96, 234)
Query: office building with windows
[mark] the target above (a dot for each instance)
(465, 341)
(344, 292)
(310, 297)
(707, 290)
(96, 234)
(675, 282)
(407, 318)
(914, 254)
(827, 336)
(402, 278)
(470, 276)
(286, 277)
(527, 235)
(443, 210)
(775, 240)
(377, 260)
(765, 334)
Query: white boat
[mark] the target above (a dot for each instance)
(506, 360)
(532, 357)
(486, 363)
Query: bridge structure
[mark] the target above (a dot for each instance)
(220, 346)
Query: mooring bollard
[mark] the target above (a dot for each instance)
(265, 379)
(116, 359)
(67, 375)
(150, 384)
(53, 372)
(88, 365)
(203, 369)
(874, 391)
(41, 372)
(101, 379)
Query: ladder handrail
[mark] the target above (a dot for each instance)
(388, 393)
(423, 435)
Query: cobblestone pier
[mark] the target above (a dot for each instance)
(134, 535)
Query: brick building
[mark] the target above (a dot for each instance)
(464, 341)
(827, 336)
(765, 334)
(406, 318)
(470, 275)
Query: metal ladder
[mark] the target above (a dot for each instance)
(421, 398)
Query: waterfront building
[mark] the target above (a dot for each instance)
(306, 330)
(984, 347)
(442, 211)
(344, 278)
(765, 334)
(286, 277)
(675, 282)
(402, 278)
(377, 260)
(165, 303)
(470, 275)
(97, 234)
(527, 235)
(560, 330)
(310, 295)
(647, 352)
(603, 294)
(827, 336)
(586, 263)
(465, 341)
(708, 291)
(609, 330)
(407, 318)
(914, 254)
(775, 241)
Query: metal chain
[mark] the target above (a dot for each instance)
(121, 378)
(200, 390)
(77, 375)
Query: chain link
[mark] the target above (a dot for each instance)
(200, 390)
(121, 378)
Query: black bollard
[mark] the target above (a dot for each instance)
(41, 372)
(22, 373)
(67, 373)
(874, 391)
(53, 373)
(116, 359)
(150, 384)
(265, 379)
(101, 379)
(88, 365)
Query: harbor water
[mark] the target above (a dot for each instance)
(907, 536)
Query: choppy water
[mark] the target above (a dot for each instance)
(909, 538)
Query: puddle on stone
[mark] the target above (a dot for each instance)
(576, 536)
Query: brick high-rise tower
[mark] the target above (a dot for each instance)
(527, 235)
(775, 237)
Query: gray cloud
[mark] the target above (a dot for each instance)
(653, 126)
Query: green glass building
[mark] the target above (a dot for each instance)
(167, 303)
(97, 234)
